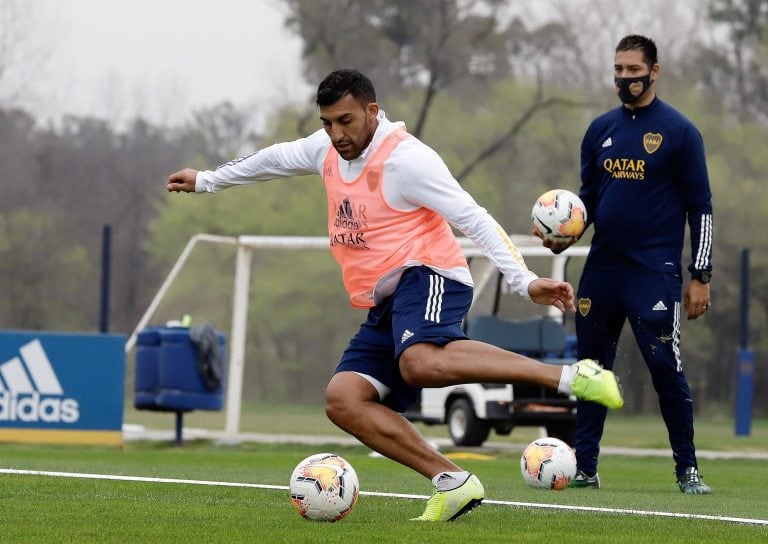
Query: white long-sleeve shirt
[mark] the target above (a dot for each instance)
(414, 177)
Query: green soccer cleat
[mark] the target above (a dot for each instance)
(594, 383)
(581, 481)
(449, 505)
(690, 482)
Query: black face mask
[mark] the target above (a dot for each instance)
(623, 85)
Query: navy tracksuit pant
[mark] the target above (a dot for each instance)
(650, 301)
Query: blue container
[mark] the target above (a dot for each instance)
(180, 386)
(167, 375)
(147, 357)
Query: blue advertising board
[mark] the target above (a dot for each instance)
(61, 387)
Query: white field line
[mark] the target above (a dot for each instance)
(601, 510)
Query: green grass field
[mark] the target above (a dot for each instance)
(36, 508)
(713, 432)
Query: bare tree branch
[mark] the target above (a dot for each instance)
(538, 105)
(431, 89)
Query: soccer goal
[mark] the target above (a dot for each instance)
(247, 246)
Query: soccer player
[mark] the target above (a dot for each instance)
(643, 175)
(391, 205)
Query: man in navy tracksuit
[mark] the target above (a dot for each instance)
(643, 176)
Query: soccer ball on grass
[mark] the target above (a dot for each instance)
(548, 463)
(557, 215)
(324, 487)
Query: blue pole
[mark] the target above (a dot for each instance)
(106, 237)
(746, 360)
(744, 306)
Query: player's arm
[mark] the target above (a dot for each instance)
(698, 202)
(694, 180)
(300, 157)
(426, 181)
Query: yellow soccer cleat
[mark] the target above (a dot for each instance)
(594, 383)
(449, 505)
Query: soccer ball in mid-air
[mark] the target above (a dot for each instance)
(324, 487)
(557, 215)
(548, 463)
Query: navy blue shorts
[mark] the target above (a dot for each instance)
(425, 307)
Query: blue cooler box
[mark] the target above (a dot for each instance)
(167, 374)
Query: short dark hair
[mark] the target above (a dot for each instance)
(635, 42)
(340, 83)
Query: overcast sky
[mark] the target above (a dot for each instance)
(160, 58)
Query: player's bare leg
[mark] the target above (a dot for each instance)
(352, 404)
(469, 361)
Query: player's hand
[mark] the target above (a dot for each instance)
(560, 245)
(183, 180)
(697, 300)
(552, 293)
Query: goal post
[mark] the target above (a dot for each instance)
(529, 246)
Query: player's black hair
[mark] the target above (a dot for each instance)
(340, 83)
(635, 42)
